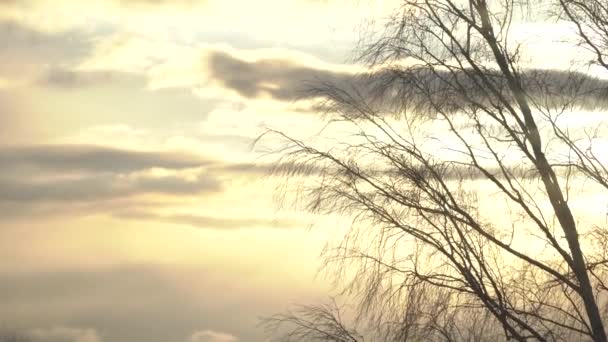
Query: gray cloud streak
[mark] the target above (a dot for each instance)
(209, 222)
(75, 173)
(94, 158)
(282, 79)
(69, 79)
(96, 188)
(399, 88)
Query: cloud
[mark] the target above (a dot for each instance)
(211, 336)
(72, 180)
(66, 78)
(397, 87)
(97, 188)
(20, 41)
(54, 334)
(26, 52)
(64, 334)
(210, 222)
(76, 173)
(282, 79)
(94, 158)
(142, 302)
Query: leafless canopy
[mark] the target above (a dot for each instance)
(449, 241)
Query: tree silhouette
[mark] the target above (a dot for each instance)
(459, 173)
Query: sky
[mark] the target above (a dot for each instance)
(131, 209)
(133, 205)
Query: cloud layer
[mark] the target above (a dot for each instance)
(399, 88)
(210, 222)
(134, 185)
(78, 173)
(281, 79)
(95, 158)
(64, 334)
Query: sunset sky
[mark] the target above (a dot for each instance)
(130, 210)
(132, 207)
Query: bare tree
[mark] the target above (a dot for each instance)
(426, 315)
(459, 176)
(314, 323)
(591, 20)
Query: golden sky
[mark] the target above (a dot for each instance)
(131, 210)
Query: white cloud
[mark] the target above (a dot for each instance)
(126, 51)
(211, 336)
(65, 334)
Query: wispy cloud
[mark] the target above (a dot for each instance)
(280, 79)
(74, 177)
(398, 87)
(211, 222)
(27, 52)
(95, 158)
(64, 334)
(212, 336)
(98, 188)
(70, 79)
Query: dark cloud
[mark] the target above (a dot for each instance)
(448, 171)
(18, 38)
(101, 159)
(399, 87)
(65, 78)
(103, 187)
(77, 173)
(94, 158)
(78, 98)
(25, 50)
(281, 79)
(54, 334)
(424, 90)
(58, 180)
(209, 222)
